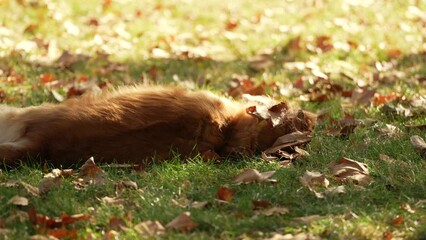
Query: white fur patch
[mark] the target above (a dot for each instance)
(10, 131)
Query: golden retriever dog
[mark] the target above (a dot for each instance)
(138, 124)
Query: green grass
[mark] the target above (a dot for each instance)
(128, 31)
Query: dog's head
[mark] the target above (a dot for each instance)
(278, 120)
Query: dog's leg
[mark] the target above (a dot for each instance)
(11, 152)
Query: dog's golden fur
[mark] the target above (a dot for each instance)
(134, 124)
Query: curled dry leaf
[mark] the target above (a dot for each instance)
(90, 173)
(276, 113)
(350, 170)
(419, 145)
(18, 201)
(273, 211)
(293, 139)
(182, 223)
(254, 176)
(314, 179)
(148, 229)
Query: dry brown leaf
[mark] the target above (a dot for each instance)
(122, 185)
(254, 176)
(117, 224)
(314, 179)
(224, 194)
(289, 140)
(48, 183)
(407, 208)
(182, 223)
(350, 170)
(419, 145)
(273, 211)
(148, 229)
(18, 201)
(91, 173)
(398, 220)
(362, 96)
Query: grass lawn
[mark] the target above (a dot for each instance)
(319, 55)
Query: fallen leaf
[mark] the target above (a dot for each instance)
(91, 173)
(122, 185)
(290, 140)
(116, 224)
(382, 99)
(48, 183)
(47, 77)
(407, 207)
(260, 62)
(387, 235)
(419, 145)
(314, 179)
(273, 211)
(260, 204)
(350, 170)
(254, 176)
(397, 220)
(390, 131)
(67, 59)
(245, 85)
(362, 96)
(182, 223)
(18, 201)
(149, 229)
(225, 194)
